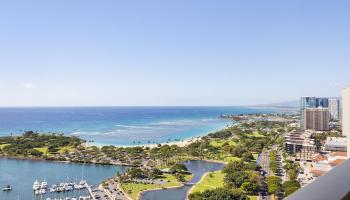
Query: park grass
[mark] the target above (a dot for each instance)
(3, 145)
(256, 134)
(230, 158)
(211, 181)
(44, 150)
(220, 143)
(133, 189)
(253, 197)
(255, 155)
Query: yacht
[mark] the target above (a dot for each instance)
(44, 184)
(82, 182)
(43, 191)
(36, 185)
(37, 192)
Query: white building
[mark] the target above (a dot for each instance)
(333, 105)
(336, 144)
(346, 116)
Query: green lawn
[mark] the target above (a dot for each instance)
(255, 155)
(256, 134)
(253, 197)
(133, 189)
(3, 145)
(211, 181)
(43, 150)
(219, 143)
(230, 158)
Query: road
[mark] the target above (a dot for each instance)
(265, 165)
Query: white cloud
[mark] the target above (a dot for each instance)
(29, 86)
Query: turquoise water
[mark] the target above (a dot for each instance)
(119, 125)
(21, 174)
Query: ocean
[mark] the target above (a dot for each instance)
(119, 125)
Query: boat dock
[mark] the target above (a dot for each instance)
(90, 191)
(66, 191)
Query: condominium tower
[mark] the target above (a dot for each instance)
(310, 102)
(316, 119)
(334, 106)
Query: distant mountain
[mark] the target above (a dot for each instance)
(286, 104)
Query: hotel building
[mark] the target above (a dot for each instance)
(333, 107)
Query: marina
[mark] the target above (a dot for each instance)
(41, 173)
(42, 188)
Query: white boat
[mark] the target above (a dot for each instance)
(82, 182)
(7, 188)
(36, 185)
(44, 184)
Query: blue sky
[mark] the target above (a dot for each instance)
(66, 53)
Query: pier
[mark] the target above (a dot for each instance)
(90, 191)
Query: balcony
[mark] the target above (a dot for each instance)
(335, 185)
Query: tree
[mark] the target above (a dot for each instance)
(249, 187)
(35, 152)
(136, 172)
(236, 179)
(247, 157)
(178, 168)
(219, 194)
(233, 167)
(290, 187)
(180, 177)
(274, 184)
(155, 173)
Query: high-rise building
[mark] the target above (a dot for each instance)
(317, 119)
(334, 105)
(346, 116)
(310, 102)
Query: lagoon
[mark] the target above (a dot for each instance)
(198, 168)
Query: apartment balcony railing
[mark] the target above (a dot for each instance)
(335, 185)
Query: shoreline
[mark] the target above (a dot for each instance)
(181, 143)
(200, 180)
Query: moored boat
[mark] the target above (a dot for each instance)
(7, 188)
